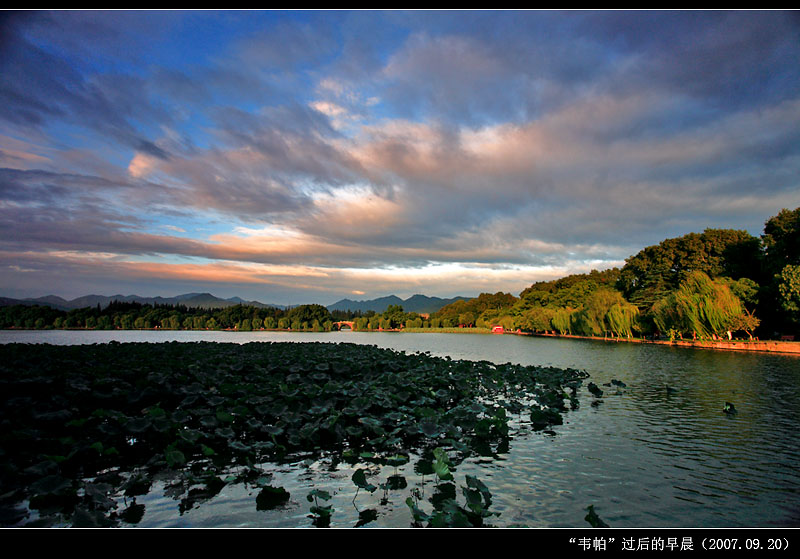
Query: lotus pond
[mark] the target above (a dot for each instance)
(88, 431)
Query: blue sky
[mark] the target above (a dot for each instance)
(298, 157)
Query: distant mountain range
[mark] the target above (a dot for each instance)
(193, 300)
(415, 303)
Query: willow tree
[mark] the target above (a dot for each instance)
(604, 311)
(537, 319)
(658, 270)
(700, 306)
(562, 320)
(623, 319)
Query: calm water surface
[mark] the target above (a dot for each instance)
(644, 456)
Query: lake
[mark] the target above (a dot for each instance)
(643, 456)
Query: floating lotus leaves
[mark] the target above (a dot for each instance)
(593, 519)
(541, 418)
(441, 465)
(271, 497)
(360, 479)
(133, 514)
(395, 482)
(366, 516)
(396, 460)
(71, 413)
(595, 390)
(175, 458)
(321, 514)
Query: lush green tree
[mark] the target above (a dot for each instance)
(563, 291)
(562, 320)
(538, 319)
(466, 319)
(592, 319)
(789, 289)
(745, 289)
(745, 322)
(393, 317)
(307, 314)
(657, 270)
(781, 240)
(699, 307)
(486, 305)
(623, 319)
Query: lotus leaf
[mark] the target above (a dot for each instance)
(360, 479)
(186, 411)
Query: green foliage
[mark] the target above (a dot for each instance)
(745, 289)
(447, 512)
(538, 319)
(173, 317)
(393, 317)
(486, 305)
(578, 304)
(271, 497)
(789, 289)
(360, 479)
(623, 318)
(562, 320)
(305, 316)
(781, 240)
(592, 318)
(657, 270)
(441, 465)
(321, 514)
(700, 306)
(570, 291)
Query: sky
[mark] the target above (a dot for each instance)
(298, 157)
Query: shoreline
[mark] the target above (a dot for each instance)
(761, 346)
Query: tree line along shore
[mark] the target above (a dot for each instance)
(717, 285)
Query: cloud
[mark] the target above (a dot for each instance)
(356, 149)
(141, 165)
